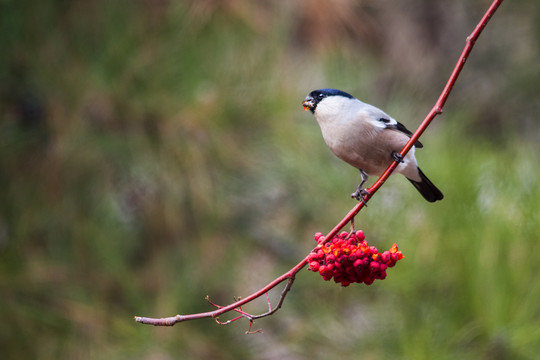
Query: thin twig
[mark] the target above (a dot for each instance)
(249, 332)
(280, 303)
(238, 310)
(290, 275)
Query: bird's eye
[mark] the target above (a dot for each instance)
(321, 96)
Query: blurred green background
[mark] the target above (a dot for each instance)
(153, 152)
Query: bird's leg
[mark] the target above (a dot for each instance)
(361, 192)
(397, 157)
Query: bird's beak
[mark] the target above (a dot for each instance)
(308, 103)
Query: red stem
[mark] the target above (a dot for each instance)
(436, 110)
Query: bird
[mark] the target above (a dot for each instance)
(367, 138)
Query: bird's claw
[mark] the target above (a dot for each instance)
(359, 195)
(397, 157)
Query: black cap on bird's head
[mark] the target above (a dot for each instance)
(314, 98)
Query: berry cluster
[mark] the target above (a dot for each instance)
(349, 259)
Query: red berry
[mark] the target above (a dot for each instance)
(360, 264)
(330, 267)
(314, 266)
(374, 266)
(330, 259)
(323, 270)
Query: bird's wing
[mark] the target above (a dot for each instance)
(392, 124)
(385, 121)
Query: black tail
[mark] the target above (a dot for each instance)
(426, 188)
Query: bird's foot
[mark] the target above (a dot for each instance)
(397, 157)
(359, 194)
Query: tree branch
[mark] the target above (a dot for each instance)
(290, 275)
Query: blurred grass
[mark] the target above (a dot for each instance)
(154, 152)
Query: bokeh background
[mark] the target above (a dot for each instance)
(153, 152)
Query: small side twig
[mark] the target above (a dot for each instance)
(280, 302)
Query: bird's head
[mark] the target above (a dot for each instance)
(316, 97)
